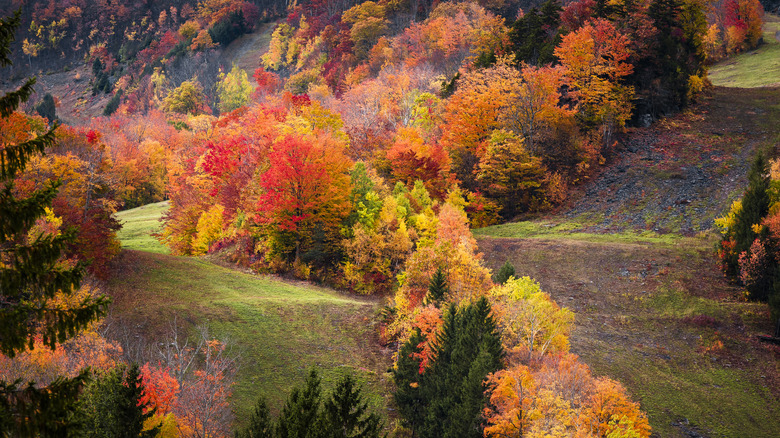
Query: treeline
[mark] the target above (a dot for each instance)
(749, 250)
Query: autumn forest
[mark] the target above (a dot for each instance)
(399, 218)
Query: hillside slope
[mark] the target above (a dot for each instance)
(659, 317)
(652, 308)
(278, 329)
(76, 105)
(757, 68)
(682, 172)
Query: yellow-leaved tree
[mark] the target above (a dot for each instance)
(531, 323)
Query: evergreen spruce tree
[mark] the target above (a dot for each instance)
(346, 413)
(437, 289)
(468, 349)
(409, 396)
(29, 276)
(47, 108)
(679, 51)
(260, 423)
(300, 416)
(529, 34)
(110, 405)
(503, 274)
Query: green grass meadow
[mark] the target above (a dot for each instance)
(138, 225)
(278, 329)
(757, 68)
(541, 229)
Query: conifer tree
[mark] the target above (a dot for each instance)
(300, 416)
(111, 408)
(529, 35)
(755, 206)
(447, 400)
(468, 349)
(437, 289)
(260, 423)
(30, 275)
(408, 396)
(346, 413)
(503, 274)
(679, 52)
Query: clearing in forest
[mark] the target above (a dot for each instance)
(756, 68)
(279, 329)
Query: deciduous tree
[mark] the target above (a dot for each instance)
(595, 57)
(234, 89)
(305, 192)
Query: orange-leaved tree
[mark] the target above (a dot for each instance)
(305, 195)
(595, 57)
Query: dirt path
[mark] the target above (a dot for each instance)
(682, 172)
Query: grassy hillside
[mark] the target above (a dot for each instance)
(757, 68)
(138, 225)
(659, 317)
(279, 329)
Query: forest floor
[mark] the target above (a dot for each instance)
(277, 328)
(632, 253)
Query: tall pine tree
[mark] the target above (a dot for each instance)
(260, 423)
(437, 289)
(755, 207)
(408, 396)
(346, 415)
(111, 406)
(447, 400)
(30, 275)
(300, 416)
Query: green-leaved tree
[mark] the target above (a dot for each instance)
(448, 399)
(234, 89)
(111, 407)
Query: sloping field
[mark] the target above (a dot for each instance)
(139, 225)
(279, 329)
(633, 255)
(757, 68)
(659, 317)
